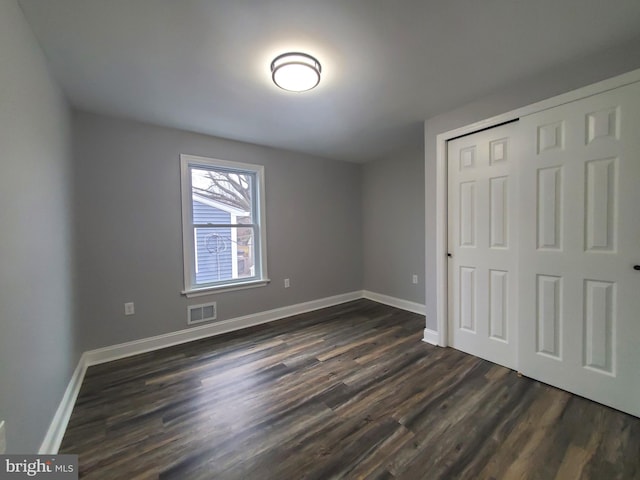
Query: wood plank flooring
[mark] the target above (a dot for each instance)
(345, 392)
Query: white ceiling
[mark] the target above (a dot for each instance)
(203, 65)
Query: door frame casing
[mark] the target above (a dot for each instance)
(442, 294)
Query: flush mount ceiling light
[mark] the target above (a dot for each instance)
(295, 72)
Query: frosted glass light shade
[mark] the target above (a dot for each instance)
(295, 72)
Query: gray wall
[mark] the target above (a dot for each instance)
(37, 341)
(393, 225)
(564, 78)
(129, 227)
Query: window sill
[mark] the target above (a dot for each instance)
(199, 292)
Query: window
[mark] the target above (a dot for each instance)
(223, 229)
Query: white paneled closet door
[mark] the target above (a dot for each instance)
(579, 229)
(482, 243)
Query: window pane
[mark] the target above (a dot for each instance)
(222, 221)
(224, 253)
(225, 190)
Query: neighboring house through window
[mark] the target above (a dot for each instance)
(223, 225)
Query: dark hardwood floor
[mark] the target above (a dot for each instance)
(345, 392)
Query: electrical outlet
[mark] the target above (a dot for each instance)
(3, 438)
(129, 308)
(287, 284)
(414, 279)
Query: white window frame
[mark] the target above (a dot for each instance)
(191, 289)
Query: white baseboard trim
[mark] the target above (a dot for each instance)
(53, 438)
(122, 350)
(395, 302)
(431, 336)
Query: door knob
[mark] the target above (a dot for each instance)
(636, 267)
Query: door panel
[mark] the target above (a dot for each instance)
(579, 226)
(482, 242)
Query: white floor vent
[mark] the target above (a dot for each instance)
(201, 313)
